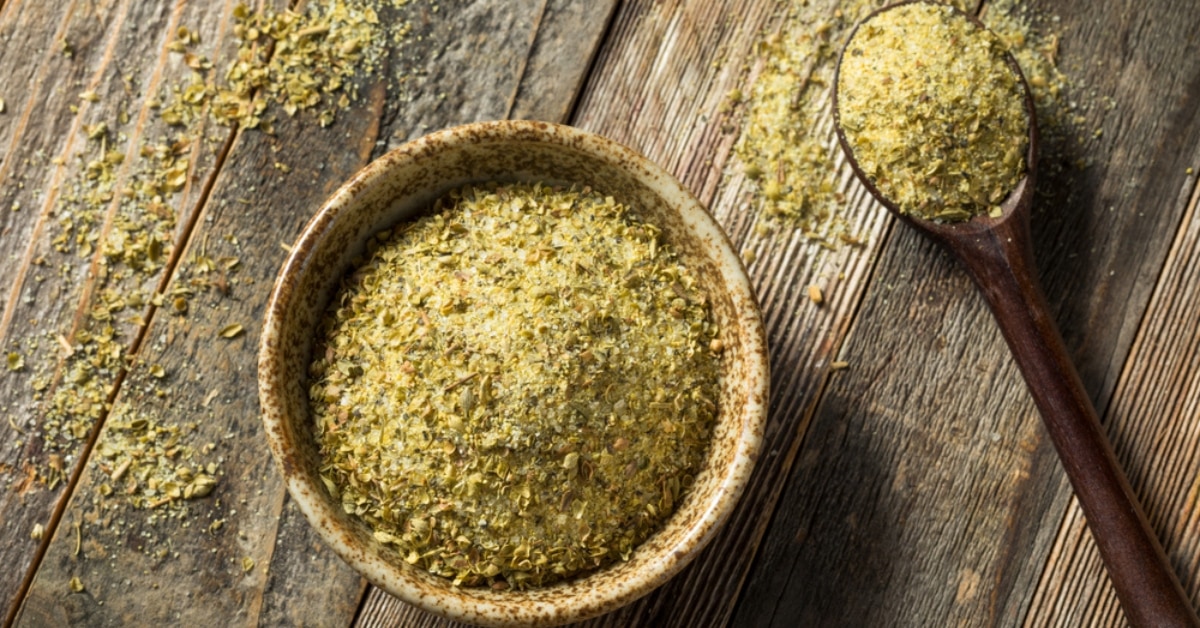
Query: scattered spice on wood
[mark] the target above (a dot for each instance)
(790, 164)
(517, 387)
(118, 205)
(933, 112)
(309, 63)
(150, 462)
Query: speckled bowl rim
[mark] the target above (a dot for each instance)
(574, 599)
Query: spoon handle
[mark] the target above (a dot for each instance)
(1001, 262)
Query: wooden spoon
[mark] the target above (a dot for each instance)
(998, 255)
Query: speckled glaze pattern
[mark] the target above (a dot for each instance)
(406, 181)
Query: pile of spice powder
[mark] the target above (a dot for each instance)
(518, 387)
(933, 112)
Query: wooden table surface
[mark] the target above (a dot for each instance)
(915, 487)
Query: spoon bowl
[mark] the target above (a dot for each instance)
(998, 254)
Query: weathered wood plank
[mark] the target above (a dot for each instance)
(266, 188)
(289, 600)
(27, 33)
(197, 570)
(656, 89)
(1155, 421)
(566, 38)
(52, 292)
(381, 610)
(925, 487)
(535, 63)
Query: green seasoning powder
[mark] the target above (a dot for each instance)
(934, 114)
(518, 387)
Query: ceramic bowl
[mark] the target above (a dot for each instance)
(406, 181)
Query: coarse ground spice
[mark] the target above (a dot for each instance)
(787, 147)
(518, 387)
(933, 113)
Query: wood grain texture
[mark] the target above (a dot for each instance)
(307, 584)
(139, 35)
(27, 33)
(468, 67)
(864, 535)
(52, 294)
(1155, 419)
(198, 572)
(566, 39)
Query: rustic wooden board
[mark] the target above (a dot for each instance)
(567, 37)
(48, 299)
(194, 572)
(864, 536)
(1153, 418)
(24, 27)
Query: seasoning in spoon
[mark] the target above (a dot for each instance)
(517, 387)
(933, 112)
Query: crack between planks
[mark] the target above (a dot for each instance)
(134, 347)
(94, 435)
(572, 110)
(533, 36)
(364, 597)
(60, 506)
(6, 320)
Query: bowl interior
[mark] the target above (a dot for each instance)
(404, 183)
